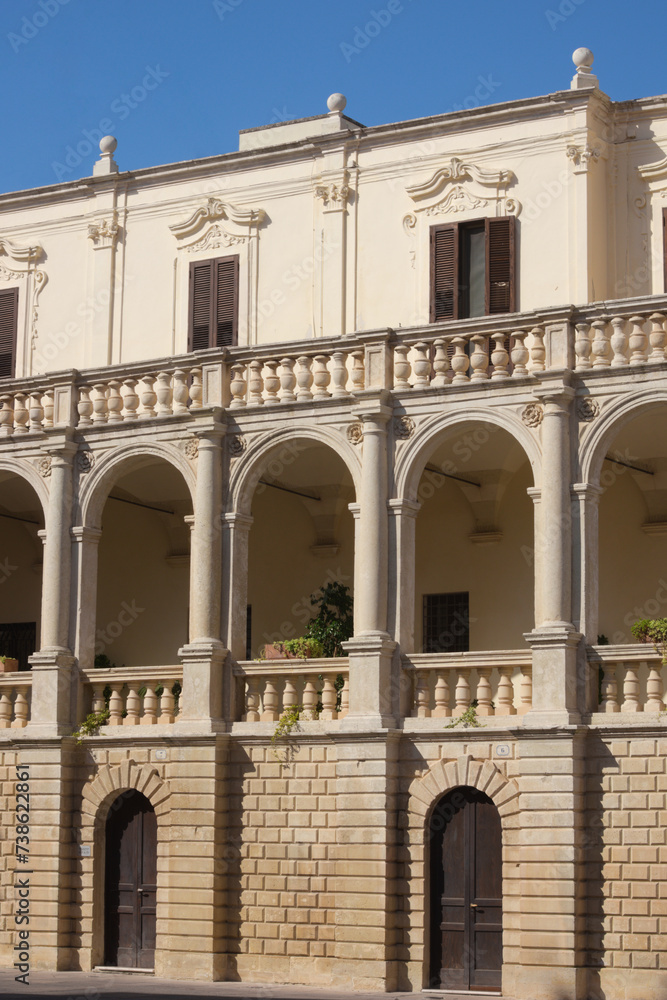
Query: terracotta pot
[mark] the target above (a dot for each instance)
(9, 666)
(273, 651)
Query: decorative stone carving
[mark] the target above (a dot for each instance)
(460, 186)
(532, 415)
(18, 253)
(457, 200)
(35, 279)
(587, 408)
(237, 445)
(334, 196)
(404, 427)
(583, 156)
(355, 433)
(191, 448)
(85, 461)
(44, 467)
(213, 209)
(215, 238)
(104, 232)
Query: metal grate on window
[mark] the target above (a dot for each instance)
(18, 640)
(446, 623)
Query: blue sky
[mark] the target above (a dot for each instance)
(176, 79)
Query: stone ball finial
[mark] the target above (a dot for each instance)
(337, 102)
(582, 58)
(108, 144)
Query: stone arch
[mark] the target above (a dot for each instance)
(619, 413)
(244, 478)
(95, 489)
(26, 471)
(97, 799)
(411, 461)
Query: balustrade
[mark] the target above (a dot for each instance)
(15, 690)
(298, 379)
(448, 684)
(631, 679)
(141, 696)
(616, 341)
(152, 396)
(311, 684)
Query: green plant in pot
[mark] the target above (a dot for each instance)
(333, 624)
(653, 630)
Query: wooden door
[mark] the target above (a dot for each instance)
(466, 892)
(131, 883)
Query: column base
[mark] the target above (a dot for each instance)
(54, 692)
(558, 690)
(373, 694)
(203, 668)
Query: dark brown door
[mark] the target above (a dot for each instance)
(131, 883)
(466, 893)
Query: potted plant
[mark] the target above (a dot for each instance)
(333, 624)
(303, 648)
(652, 630)
(8, 664)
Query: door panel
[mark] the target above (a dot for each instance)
(466, 892)
(131, 883)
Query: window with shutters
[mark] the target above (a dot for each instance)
(214, 299)
(472, 268)
(446, 623)
(9, 300)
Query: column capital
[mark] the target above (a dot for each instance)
(81, 533)
(554, 388)
(535, 493)
(587, 491)
(355, 510)
(401, 506)
(374, 406)
(236, 519)
(60, 448)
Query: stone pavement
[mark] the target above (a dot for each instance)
(119, 986)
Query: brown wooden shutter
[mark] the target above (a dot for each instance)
(9, 300)
(664, 243)
(227, 285)
(444, 272)
(201, 305)
(500, 265)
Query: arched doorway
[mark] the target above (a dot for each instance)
(465, 839)
(130, 883)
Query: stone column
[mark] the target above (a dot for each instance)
(585, 508)
(83, 621)
(53, 690)
(204, 655)
(372, 694)
(556, 687)
(235, 588)
(402, 569)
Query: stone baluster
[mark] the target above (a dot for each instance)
(637, 341)
(422, 709)
(657, 338)
(328, 698)
(21, 707)
(290, 697)
(309, 699)
(440, 364)
(600, 349)
(36, 411)
(460, 361)
(149, 717)
(441, 709)
(48, 406)
(270, 701)
(271, 384)
(99, 401)
(526, 690)
(618, 342)
(181, 393)
(339, 374)
(538, 351)
(237, 386)
(654, 689)
(582, 347)
(321, 377)
(6, 415)
(402, 368)
(609, 701)
(345, 698)
(479, 360)
(132, 704)
(6, 708)
(116, 704)
(99, 703)
(421, 366)
(287, 381)
(21, 414)
(130, 399)
(462, 693)
(114, 402)
(148, 396)
(164, 394)
(304, 379)
(251, 700)
(166, 704)
(358, 373)
(505, 692)
(196, 389)
(484, 693)
(630, 689)
(500, 357)
(519, 354)
(255, 383)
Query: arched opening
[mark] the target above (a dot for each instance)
(633, 527)
(21, 558)
(301, 540)
(465, 884)
(143, 567)
(130, 883)
(474, 587)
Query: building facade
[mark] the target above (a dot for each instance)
(426, 360)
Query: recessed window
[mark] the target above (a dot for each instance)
(446, 623)
(214, 301)
(472, 269)
(9, 300)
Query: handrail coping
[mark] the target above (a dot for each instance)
(283, 668)
(469, 660)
